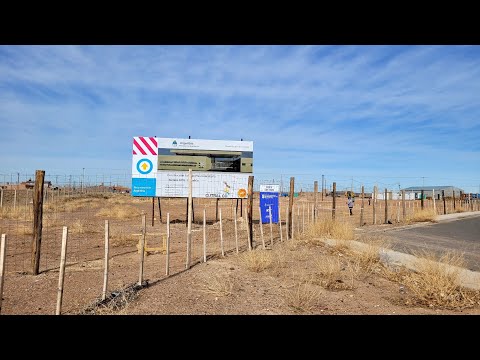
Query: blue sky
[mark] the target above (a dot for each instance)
(385, 115)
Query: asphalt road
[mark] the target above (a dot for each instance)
(461, 234)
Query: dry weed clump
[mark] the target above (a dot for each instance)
(422, 216)
(217, 285)
(329, 228)
(74, 204)
(368, 258)
(115, 302)
(280, 256)
(302, 296)
(13, 214)
(80, 226)
(333, 274)
(435, 283)
(256, 260)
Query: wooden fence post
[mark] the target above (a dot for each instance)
(444, 204)
(374, 205)
(189, 222)
(315, 193)
(293, 223)
(153, 210)
(454, 207)
(236, 234)
(250, 212)
(361, 209)
(286, 223)
(61, 275)
(386, 206)
(290, 207)
(167, 260)
(261, 226)
(142, 248)
(216, 209)
(37, 220)
(434, 205)
(204, 235)
(421, 200)
(280, 222)
(1, 198)
(159, 210)
(334, 194)
(14, 199)
(403, 206)
(221, 232)
(3, 248)
(105, 273)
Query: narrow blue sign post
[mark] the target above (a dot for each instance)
(269, 203)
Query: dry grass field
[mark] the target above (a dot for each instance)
(302, 275)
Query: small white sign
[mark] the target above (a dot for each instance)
(270, 188)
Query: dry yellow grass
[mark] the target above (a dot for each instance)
(119, 212)
(328, 228)
(256, 260)
(333, 274)
(77, 227)
(217, 285)
(302, 296)
(422, 216)
(280, 256)
(369, 257)
(435, 283)
(72, 204)
(14, 214)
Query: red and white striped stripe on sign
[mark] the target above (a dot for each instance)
(145, 146)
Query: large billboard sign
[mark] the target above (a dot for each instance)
(220, 168)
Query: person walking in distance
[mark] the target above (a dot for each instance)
(350, 203)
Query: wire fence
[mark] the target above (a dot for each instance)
(84, 206)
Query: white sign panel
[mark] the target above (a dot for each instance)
(200, 144)
(220, 168)
(204, 184)
(270, 188)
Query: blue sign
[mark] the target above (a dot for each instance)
(143, 186)
(269, 203)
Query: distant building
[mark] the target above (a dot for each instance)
(24, 185)
(428, 191)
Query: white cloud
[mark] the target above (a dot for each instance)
(363, 103)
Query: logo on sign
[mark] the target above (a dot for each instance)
(174, 143)
(144, 166)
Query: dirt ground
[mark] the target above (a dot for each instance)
(290, 283)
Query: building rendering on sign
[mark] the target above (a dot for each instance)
(428, 191)
(220, 168)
